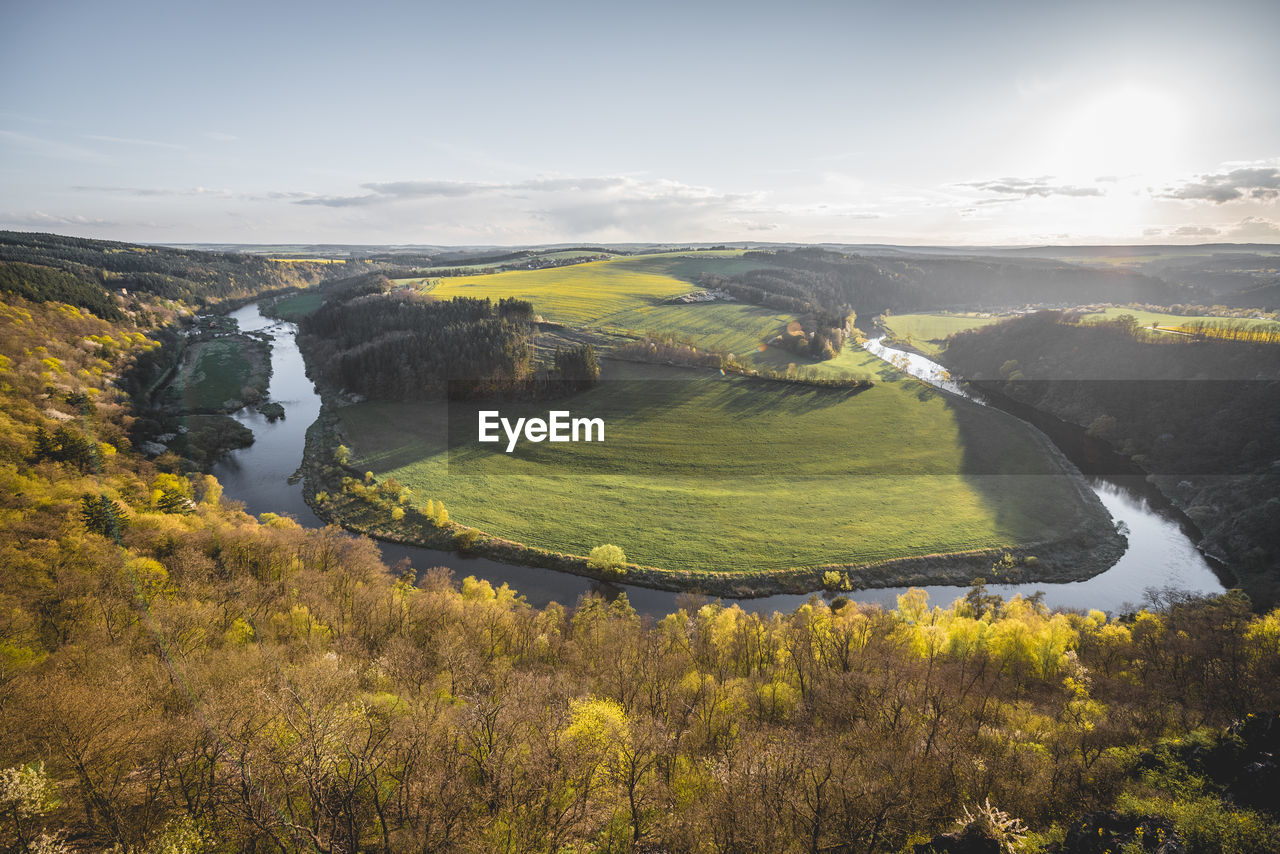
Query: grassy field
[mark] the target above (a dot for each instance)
(589, 294)
(222, 373)
(700, 471)
(1146, 318)
(577, 295)
(629, 294)
(298, 305)
(725, 327)
(926, 332)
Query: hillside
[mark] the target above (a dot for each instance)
(176, 675)
(1202, 416)
(719, 474)
(199, 278)
(874, 285)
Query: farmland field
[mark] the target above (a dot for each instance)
(926, 332)
(590, 293)
(298, 305)
(700, 471)
(221, 374)
(725, 327)
(1146, 318)
(706, 472)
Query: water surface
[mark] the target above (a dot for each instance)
(1160, 554)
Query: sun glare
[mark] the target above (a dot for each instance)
(1129, 131)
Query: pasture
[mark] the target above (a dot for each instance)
(928, 332)
(222, 374)
(592, 293)
(297, 306)
(1174, 321)
(700, 471)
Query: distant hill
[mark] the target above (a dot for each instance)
(1202, 416)
(84, 272)
(838, 282)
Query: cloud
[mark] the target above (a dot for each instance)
(284, 196)
(1181, 231)
(39, 219)
(428, 189)
(1039, 187)
(750, 224)
(155, 191)
(382, 192)
(1260, 183)
(551, 185)
(1257, 228)
(653, 209)
(390, 191)
(49, 147)
(544, 208)
(125, 140)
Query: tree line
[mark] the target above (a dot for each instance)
(197, 277)
(808, 279)
(1201, 416)
(43, 284)
(404, 345)
(177, 675)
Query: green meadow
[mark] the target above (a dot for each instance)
(703, 471)
(1146, 318)
(629, 295)
(710, 472)
(576, 295)
(725, 327)
(298, 305)
(928, 332)
(597, 293)
(222, 373)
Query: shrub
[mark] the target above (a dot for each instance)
(608, 559)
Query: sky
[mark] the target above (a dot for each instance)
(501, 123)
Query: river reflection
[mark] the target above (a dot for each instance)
(1160, 553)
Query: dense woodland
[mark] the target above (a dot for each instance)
(198, 278)
(1202, 414)
(1238, 278)
(179, 676)
(402, 344)
(805, 280)
(43, 284)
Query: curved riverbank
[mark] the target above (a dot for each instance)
(1159, 554)
(1089, 547)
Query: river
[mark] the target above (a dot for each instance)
(1160, 553)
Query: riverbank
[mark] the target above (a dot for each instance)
(343, 495)
(1198, 421)
(266, 478)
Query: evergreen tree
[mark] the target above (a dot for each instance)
(102, 516)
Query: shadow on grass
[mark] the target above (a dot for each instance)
(1025, 483)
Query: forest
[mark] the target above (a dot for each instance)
(809, 279)
(179, 676)
(1202, 414)
(199, 278)
(405, 345)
